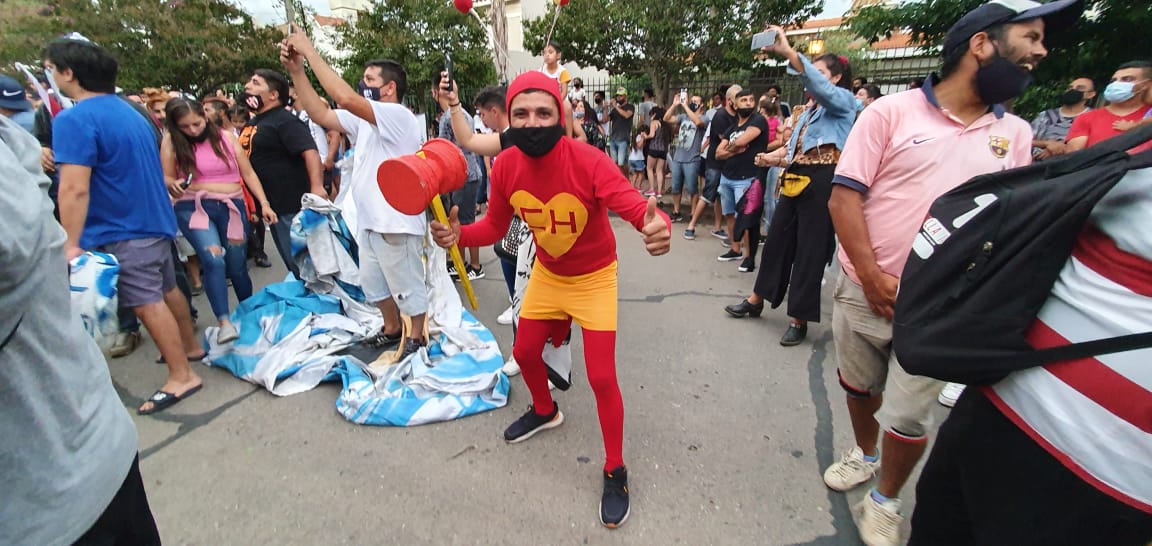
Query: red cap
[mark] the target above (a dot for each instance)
(535, 80)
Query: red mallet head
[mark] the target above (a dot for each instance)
(410, 182)
(561, 2)
(463, 6)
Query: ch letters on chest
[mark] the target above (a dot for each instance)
(556, 224)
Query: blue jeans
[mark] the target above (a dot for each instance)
(618, 151)
(219, 257)
(685, 176)
(730, 193)
(282, 238)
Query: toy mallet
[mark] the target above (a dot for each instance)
(411, 183)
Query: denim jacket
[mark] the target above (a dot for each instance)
(831, 121)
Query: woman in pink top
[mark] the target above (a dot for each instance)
(204, 167)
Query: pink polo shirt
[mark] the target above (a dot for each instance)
(905, 151)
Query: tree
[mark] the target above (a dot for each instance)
(664, 41)
(193, 45)
(416, 33)
(1109, 33)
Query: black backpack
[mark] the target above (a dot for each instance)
(987, 257)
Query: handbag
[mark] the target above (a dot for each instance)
(508, 246)
(987, 256)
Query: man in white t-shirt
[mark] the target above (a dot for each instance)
(380, 127)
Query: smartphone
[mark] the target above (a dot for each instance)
(187, 182)
(763, 39)
(684, 95)
(449, 70)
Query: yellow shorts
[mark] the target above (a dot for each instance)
(589, 299)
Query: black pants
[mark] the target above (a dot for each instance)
(256, 238)
(987, 482)
(798, 246)
(127, 521)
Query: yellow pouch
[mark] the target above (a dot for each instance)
(792, 185)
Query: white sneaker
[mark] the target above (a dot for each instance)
(511, 368)
(950, 394)
(879, 523)
(851, 471)
(507, 316)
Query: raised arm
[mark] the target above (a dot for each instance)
(485, 145)
(293, 51)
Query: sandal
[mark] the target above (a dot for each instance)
(382, 339)
(162, 400)
(191, 359)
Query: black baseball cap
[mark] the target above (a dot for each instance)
(1058, 13)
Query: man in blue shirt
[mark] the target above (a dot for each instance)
(113, 198)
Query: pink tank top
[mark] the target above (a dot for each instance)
(213, 170)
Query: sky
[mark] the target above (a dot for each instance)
(271, 11)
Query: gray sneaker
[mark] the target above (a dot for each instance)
(125, 343)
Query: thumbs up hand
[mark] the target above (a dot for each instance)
(657, 230)
(447, 235)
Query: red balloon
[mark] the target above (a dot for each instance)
(563, 2)
(463, 6)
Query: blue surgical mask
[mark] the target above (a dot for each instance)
(859, 104)
(1119, 91)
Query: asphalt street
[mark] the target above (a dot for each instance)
(726, 436)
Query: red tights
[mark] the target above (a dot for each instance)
(600, 362)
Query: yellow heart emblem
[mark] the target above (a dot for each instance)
(556, 224)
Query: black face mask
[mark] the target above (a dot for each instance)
(1072, 96)
(694, 107)
(254, 103)
(536, 141)
(745, 112)
(370, 93)
(200, 138)
(1000, 80)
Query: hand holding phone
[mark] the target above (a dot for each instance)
(187, 182)
(764, 39)
(683, 95)
(449, 69)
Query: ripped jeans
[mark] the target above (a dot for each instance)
(219, 257)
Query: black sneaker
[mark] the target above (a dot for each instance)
(382, 339)
(730, 256)
(530, 423)
(614, 502)
(747, 266)
(475, 272)
(452, 271)
(676, 217)
(411, 346)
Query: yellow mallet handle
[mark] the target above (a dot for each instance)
(454, 252)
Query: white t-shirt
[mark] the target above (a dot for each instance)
(318, 134)
(396, 133)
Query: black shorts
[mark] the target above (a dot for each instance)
(127, 519)
(658, 154)
(988, 482)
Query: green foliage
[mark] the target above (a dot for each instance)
(416, 33)
(193, 45)
(1110, 33)
(664, 41)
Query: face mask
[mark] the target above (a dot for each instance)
(1000, 80)
(370, 93)
(198, 139)
(536, 141)
(745, 112)
(859, 104)
(578, 115)
(1119, 91)
(693, 107)
(1071, 96)
(254, 103)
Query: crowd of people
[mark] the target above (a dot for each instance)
(182, 190)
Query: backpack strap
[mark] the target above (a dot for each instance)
(1087, 349)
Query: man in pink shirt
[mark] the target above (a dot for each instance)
(905, 151)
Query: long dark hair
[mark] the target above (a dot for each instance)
(174, 111)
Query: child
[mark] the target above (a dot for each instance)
(552, 67)
(636, 161)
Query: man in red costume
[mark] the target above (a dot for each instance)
(563, 189)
